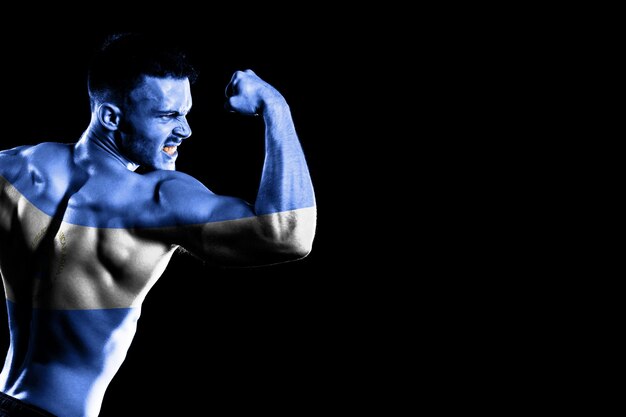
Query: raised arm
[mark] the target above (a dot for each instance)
(281, 225)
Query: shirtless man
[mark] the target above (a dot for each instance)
(83, 237)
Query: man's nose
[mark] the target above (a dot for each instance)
(183, 130)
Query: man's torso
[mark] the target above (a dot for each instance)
(77, 256)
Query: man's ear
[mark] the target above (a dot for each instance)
(109, 116)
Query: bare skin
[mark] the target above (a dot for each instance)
(83, 237)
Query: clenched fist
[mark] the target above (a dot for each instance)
(246, 93)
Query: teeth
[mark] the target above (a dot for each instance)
(170, 150)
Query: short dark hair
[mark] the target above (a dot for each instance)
(124, 59)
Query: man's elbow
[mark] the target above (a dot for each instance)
(300, 248)
(299, 244)
(294, 233)
(302, 240)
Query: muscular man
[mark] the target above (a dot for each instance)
(83, 237)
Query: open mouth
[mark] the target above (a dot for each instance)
(170, 150)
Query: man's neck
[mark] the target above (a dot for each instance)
(100, 147)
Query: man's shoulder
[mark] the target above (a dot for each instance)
(130, 200)
(170, 180)
(11, 159)
(40, 157)
(25, 151)
(187, 201)
(176, 190)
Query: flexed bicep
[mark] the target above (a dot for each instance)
(227, 231)
(236, 237)
(258, 240)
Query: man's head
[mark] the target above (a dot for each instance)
(139, 89)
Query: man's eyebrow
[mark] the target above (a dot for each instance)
(169, 111)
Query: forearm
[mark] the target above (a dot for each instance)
(285, 182)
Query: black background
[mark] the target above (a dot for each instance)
(273, 338)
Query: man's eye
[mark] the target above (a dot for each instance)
(169, 116)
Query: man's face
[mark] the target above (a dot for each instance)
(154, 122)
